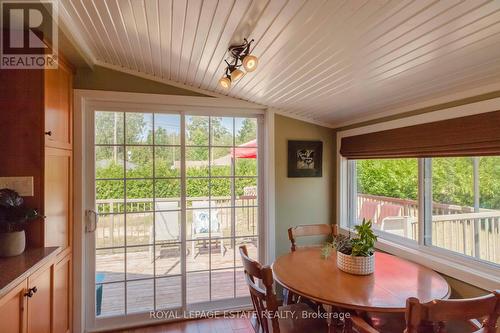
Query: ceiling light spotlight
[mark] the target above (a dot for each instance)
(239, 55)
(225, 82)
(236, 75)
(250, 63)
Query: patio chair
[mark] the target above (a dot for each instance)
(387, 210)
(368, 210)
(399, 225)
(205, 226)
(167, 228)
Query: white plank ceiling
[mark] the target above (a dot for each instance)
(329, 61)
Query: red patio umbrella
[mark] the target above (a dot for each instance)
(246, 150)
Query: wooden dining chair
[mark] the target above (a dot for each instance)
(310, 230)
(270, 317)
(481, 313)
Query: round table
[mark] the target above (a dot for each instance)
(306, 273)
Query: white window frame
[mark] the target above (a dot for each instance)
(467, 269)
(87, 101)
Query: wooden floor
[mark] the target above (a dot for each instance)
(214, 325)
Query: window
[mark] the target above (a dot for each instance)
(176, 195)
(385, 191)
(459, 201)
(465, 206)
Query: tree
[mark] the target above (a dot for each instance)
(248, 131)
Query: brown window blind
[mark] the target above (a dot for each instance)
(476, 135)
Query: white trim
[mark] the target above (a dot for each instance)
(428, 103)
(269, 188)
(469, 270)
(87, 100)
(166, 100)
(78, 218)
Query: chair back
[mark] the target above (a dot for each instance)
(204, 221)
(481, 313)
(310, 230)
(387, 210)
(368, 210)
(260, 282)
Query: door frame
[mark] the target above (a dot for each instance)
(85, 102)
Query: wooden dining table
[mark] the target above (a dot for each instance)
(306, 273)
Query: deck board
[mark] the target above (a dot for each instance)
(226, 281)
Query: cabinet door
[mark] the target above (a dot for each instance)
(40, 303)
(13, 310)
(62, 296)
(58, 197)
(58, 107)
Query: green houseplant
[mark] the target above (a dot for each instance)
(14, 216)
(355, 255)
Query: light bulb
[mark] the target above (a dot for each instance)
(225, 82)
(250, 63)
(236, 75)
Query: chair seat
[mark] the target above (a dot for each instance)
(388, 322)
(301, 323)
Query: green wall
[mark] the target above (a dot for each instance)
(302, 200)
(101, 78)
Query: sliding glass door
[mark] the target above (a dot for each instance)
(175, 196)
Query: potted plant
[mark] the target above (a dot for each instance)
(355, 255)
(14, 217)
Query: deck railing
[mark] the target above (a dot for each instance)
(111, 229)
(455, 228)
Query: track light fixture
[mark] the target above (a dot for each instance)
(239, 58)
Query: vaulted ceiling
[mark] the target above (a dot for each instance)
(328, 61)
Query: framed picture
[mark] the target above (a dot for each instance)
(305, 158)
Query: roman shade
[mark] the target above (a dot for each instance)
(476, 135)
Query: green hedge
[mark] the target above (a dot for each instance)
(452, 180)
(168, 188)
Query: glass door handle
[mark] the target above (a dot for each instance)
(92, 218)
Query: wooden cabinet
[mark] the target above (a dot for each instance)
(58, 100)
(58, 195)
(61, 316)
(40, 301)
(13, 310)
(37, 139)
(36, 123)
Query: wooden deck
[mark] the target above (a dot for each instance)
(146, 273)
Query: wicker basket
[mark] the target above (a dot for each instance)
(355, 265)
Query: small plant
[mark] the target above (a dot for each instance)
(361, 246)
(13, 214)
(364, 244)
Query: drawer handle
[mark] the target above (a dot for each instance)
(31, 292)
(49, 133)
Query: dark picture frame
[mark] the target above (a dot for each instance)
(305, 159)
